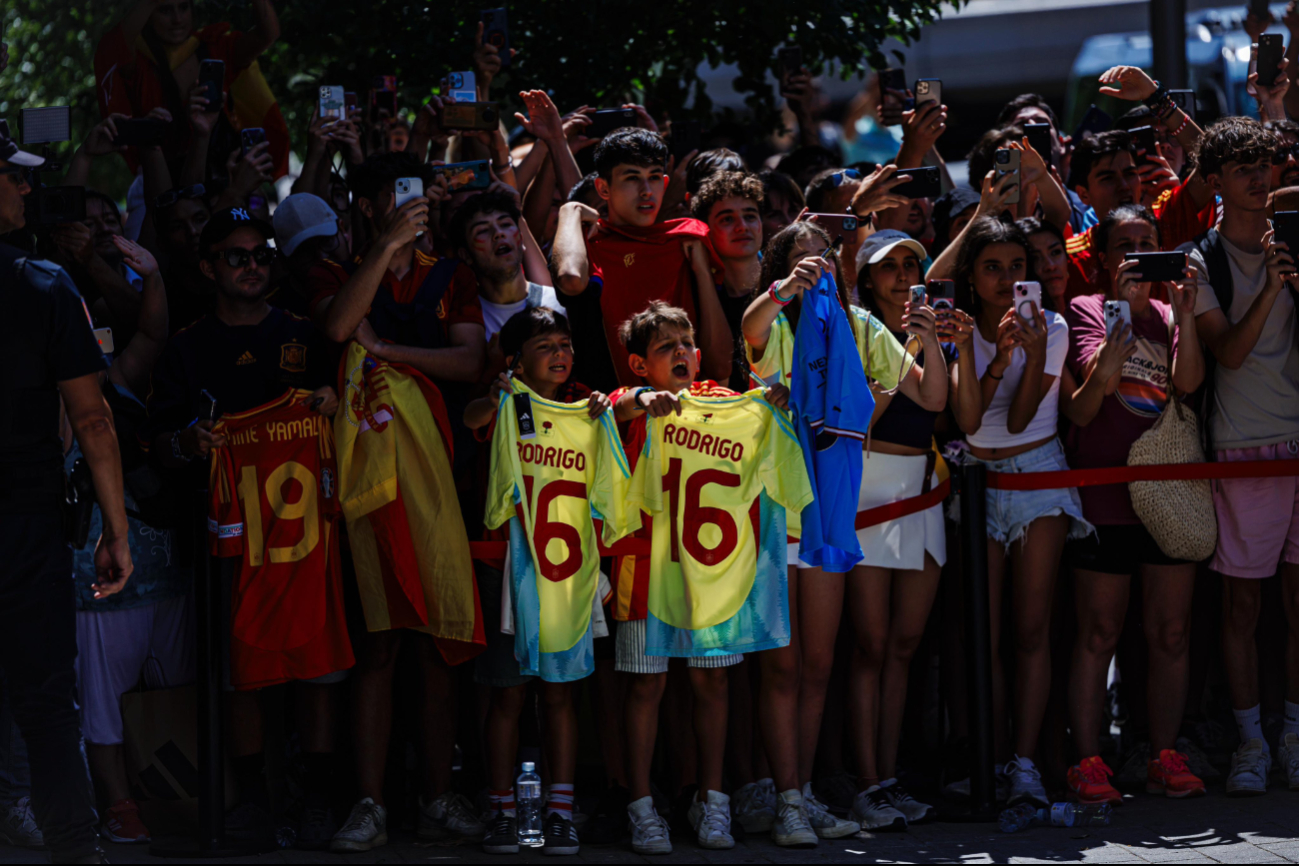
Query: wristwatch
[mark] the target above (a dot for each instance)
(175, 448)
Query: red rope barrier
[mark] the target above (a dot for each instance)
(1124, 474)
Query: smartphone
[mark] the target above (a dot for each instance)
(383, 94)
(212, 75)
(687, 135)
(1007, 162)
(840, 226)
(350, 101)
(1159, 267)
(405, 189)
(896, 79)
(917, 296)
(46, 125)
(471, 115)
(104, 336)
(332, 102)
(496, 31)
(926, 182)
(1267, 55)
(1028, 300)
(942, 294)
(1117, 314)
(1185, 100)
(462, 86)
(465, 175)
(1094, 121)
(139, 132)
(250, 138)
(1039, 138)
(1285, 228)
(1144, 138)
(790, 59)
(929, 90)
(606, 120)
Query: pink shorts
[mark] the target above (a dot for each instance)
(1258, 518)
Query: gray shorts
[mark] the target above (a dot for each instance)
(495, 666)
(629, 653)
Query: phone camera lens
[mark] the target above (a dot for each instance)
(1003, 157)
(850, 223)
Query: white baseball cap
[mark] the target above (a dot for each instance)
(10, 153)
(878, 245)
(299, 218)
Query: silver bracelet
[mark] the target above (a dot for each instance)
(509, 165)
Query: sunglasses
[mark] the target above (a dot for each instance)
(847, 174)
(1284, 153)
(169, 198)
(237, 258)
(22, 175)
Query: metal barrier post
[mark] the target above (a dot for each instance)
(978, 640)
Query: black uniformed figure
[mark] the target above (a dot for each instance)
(49, 350)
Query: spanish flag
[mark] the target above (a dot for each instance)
(409, 544)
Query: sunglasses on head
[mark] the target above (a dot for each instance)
(237, 258)
(170, 197)
(847, 174)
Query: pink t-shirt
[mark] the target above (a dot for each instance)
(1124, 415)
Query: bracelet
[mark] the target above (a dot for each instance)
(1155, 98)
(1185, 120)
(988, 372)
(775, 295)
(508, 166)
(635, 397)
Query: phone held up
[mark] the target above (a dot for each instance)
(1007, 162)
(1285, 229)
(942, 294)
(1267, 57)
(250, 138)
(1117, 314)
(1028, 300)
(839, 226)
(333, 99)
(1159, 267)
(496, 31)
(212, 75)
(470, 115)
(405, 189)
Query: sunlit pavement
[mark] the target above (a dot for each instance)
(1146, 829)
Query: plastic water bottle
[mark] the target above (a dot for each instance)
(1026, 815)
(527, 804)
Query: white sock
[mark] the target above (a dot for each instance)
(1291, 719)
(1250, 724)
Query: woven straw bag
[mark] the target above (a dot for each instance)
(1178, 514)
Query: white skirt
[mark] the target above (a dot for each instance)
(901, 543)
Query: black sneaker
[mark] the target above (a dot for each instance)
(561, 836)
(608, 823)
(316, 830)
(502, 836)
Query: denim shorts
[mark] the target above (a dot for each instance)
(1011, 511)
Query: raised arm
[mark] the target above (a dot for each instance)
(1232, 343)
(133, 365)
(568, 253)
(715, 339)
(255, 42)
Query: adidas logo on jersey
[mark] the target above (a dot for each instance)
(245, 358)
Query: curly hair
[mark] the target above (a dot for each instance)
(709, 163)
(1233, 139)
(723, 185)
(982, 156)
(775, 263)
(482, 203)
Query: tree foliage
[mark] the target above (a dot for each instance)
(582, 51)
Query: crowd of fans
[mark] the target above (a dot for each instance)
(616, 270)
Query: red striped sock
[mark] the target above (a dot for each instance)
(561, 800)
(502, 801)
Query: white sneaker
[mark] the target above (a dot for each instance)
(649, 832)
(791, 829)
(753, 809)
(1025, 783)
(366, 828)
(449, 815)
(899, 798)
(1289, 759)
(1249, 768)
(873, 811)
(712, 821)
(826, 825)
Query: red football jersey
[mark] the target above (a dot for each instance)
(275, 504)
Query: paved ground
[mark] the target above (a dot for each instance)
(1146, 829)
